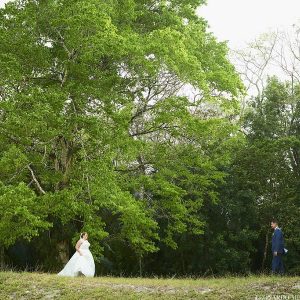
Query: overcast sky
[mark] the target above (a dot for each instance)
(240, 21)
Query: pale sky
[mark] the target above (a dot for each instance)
(240, 21)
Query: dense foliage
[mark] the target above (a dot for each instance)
(120, 118)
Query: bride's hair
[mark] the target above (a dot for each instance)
(82, 234)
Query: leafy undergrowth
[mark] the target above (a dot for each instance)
(25, 286)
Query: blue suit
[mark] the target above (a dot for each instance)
(277, 246)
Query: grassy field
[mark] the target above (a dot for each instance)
(49, 286)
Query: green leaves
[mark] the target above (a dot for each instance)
(20, 215)
(13, 164)
(96, 105)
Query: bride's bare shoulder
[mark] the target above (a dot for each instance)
(79, 242)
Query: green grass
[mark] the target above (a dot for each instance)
(26, 285)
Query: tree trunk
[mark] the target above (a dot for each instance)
(63, 157)
(2, 261)
(63, 251)
(183, 263)
(265, 251)
(140, 265)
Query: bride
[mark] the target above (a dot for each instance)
(82, 262)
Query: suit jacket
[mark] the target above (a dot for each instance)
(277, 241)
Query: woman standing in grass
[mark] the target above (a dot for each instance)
(82, 262)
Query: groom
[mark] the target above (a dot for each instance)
(277, 249)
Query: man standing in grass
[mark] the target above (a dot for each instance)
(277, 249)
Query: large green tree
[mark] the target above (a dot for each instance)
(98, 129)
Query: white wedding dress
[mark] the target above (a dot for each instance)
(80, 263)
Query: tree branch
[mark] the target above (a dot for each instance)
(35, 180)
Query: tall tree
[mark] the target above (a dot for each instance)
(97, 130)
(270, 161)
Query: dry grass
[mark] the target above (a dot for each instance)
(27, 286)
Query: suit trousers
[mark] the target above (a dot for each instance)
(277, 264)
